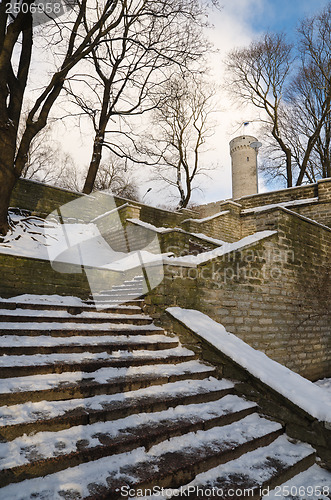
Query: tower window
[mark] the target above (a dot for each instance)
(247, 158)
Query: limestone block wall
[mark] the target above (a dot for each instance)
(319, 209)
(225, 225)
(20, 275)
(42, 199)
(279, 196)
(275, 295)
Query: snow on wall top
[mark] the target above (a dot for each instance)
(290, 203)
(164, 230)
(300, 391)
(206, 219)
(195, 260)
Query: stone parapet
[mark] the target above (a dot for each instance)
(275, 295)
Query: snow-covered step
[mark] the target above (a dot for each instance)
(126, 286)
(46, 344)
(15, 366)
(31, 315)
(56, 329)
(255, 471)
(311, 484)
(119, 298)
(55, 415)
(104, 303)
(69, 385)
(166, 463)
(38, 454)
(62, 306)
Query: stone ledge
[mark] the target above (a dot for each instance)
(298, 423)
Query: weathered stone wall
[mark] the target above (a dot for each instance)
(278, 306)
(275, 295)
(20, 275)
(42, 199)
(319, 210)
(224, 226)
(280, 196)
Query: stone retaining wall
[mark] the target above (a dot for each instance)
(275, 295)
(298, 423)
(42, 199)
(319, 210)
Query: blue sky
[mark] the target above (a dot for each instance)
(237, 24)
(282, 15)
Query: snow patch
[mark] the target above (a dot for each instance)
(206, 219)
(31, 412)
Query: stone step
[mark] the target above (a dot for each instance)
(106, 304)
(70, 385)
(126, 286)
(30, 417)
(168, 463)
(117, 298)
(34, 316)
(46, 344)
(18, 366)
(119, 309)
(40, 453)
(311, 484)
(254, 472)
(76, 330)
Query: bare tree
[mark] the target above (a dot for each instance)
(258, 74)
(314, 86)
(75, 38)
(294, 96)
(115, 175)
(181, 127)
(152, 36)
(46, 161)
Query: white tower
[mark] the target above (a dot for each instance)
(243, 150)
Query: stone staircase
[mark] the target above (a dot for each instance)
(95, 403)
(127, 293)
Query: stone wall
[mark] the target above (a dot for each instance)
(275, 295)
(225, 225)
(318, 204)
(20, 275)
(42, 199)
(280, 196)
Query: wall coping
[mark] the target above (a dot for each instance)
(201, 259)
(290, 203)
(320, 181)
(50, 186)
(299, 216)
(285, 190)
(205, 219)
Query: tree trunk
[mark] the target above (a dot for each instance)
(7, 183)
(94, 165)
